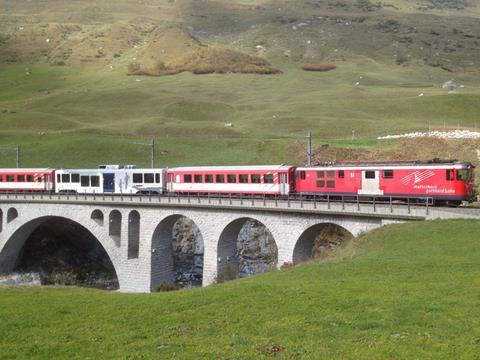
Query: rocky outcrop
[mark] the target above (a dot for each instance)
(256, 249)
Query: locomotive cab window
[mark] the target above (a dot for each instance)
(450, 175)
(231, 178)
(137, 178)
(462, 175)
(388, 174)
(268, 178)
(255, 178)
(187, 178)
(302, 175)
(197, 178)
(209, 178)
(341, 174)
(369, 174)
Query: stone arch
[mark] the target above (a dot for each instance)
(317, 239)
(115, 226)
(13, 248)
(254, 255)
(12, 214)
(97, 216)
(133, 234)
(177, 253)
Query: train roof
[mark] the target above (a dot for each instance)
(26, 169)
(233, 168)
(435, 163)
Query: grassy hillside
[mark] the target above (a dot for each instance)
(406, 291)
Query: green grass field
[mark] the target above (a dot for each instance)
(401, 292)
(84, 116)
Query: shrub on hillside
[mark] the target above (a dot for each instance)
(163, 286)
(319, 67)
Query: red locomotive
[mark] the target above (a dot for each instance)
(442, 181)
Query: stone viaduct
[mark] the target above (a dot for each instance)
(136, 232)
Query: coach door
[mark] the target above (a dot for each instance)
(284, 185)
(370, 183)
(108, 182)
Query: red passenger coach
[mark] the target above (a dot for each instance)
(267, 180)
(442, 181)
(27, 179)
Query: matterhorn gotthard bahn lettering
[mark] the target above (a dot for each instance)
(177, 149)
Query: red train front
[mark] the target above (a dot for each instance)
(443, 181)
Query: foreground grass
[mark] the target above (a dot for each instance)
(410, 291)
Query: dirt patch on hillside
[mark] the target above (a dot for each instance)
(208, 60)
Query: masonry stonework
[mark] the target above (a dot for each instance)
(152, 263)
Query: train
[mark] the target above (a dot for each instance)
(442, 182)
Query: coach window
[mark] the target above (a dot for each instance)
(187, 178)
(268, 179)
(369, 174)
(95, 181)
(10, 178)
(320, 174)
(21, 178)
(220, 178)
(341, 174)
(388, 174)
(59, 178)
(66, 178)
(85, 181)
(148, 178)
(209, 178)
(450, 175)
(1, 178)
(29, 178)
(243, 178)
(255, 178)
(231, 178)
(320, 183)
(137, 178)
(75, 178)
(198, 178)
(157, 178)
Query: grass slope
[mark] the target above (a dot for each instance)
(409, 291)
